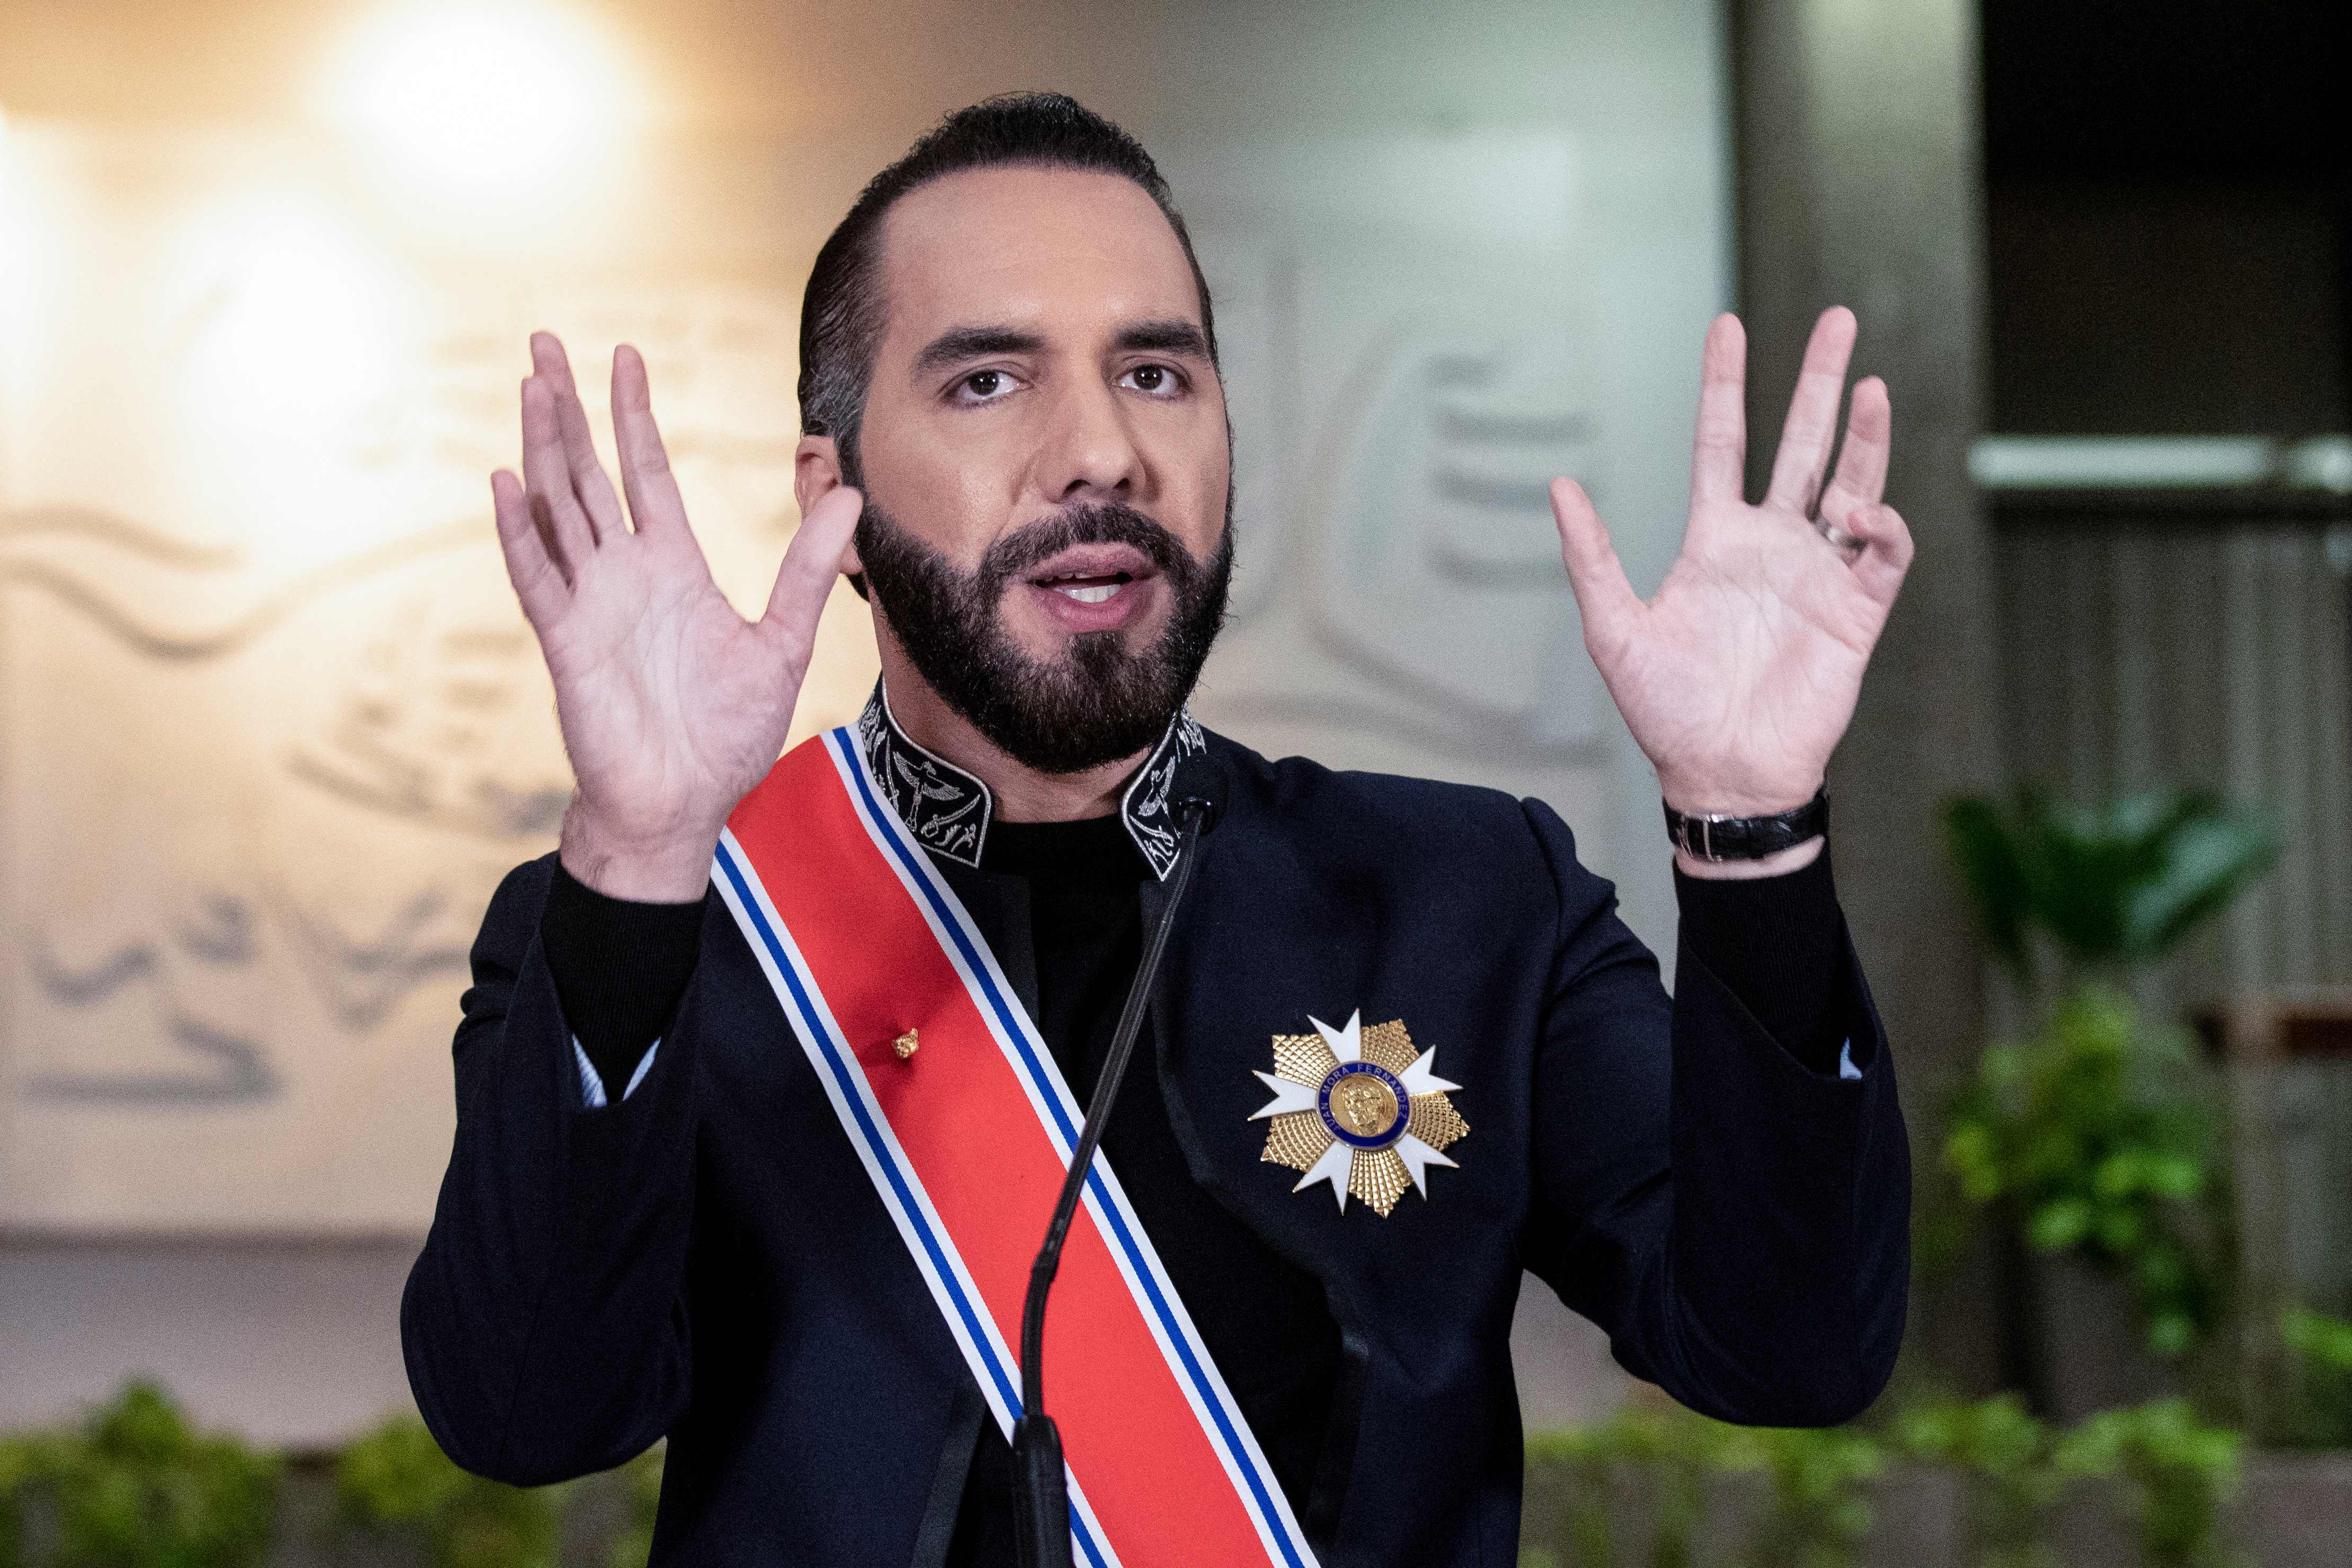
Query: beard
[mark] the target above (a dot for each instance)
(1096, 702)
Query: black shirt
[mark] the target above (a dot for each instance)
(619, 969)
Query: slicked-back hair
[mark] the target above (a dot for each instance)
(843, 312)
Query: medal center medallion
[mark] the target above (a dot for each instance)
(1362, 1104)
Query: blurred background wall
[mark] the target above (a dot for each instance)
(270, 728)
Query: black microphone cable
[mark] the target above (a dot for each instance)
(1041, 1500)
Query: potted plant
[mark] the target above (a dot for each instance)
(2092, 1141)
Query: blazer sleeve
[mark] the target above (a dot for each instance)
(1737, 1221)
(543, 1324)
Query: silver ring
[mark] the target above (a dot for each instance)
(1845, 544)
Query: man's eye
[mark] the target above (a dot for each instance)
(984, 384)
(1154, 378)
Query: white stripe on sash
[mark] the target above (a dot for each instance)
(1139, 1262)
(927, 1239)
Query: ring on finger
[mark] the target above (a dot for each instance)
(1847, 545)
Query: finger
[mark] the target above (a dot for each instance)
(1887, 550)
(547, 483)
(654, 504)
(812, 562)
(538, 584)
(1811, 428)
(1860, 478)
(1603, 597)
(590, 484)
(1719, 451)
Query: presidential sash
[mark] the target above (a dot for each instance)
(964, 1123)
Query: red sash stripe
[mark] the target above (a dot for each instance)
(967, 1142)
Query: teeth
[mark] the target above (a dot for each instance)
(1093, 593)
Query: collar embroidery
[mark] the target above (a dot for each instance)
(948, 810)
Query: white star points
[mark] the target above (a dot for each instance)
(1287, 1097)
(1338, 1164)
(1418, 1157)
(1421, 1076)
(1346, 1043)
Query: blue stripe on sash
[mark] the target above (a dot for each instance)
(1007, 1388)
(1013, 1023)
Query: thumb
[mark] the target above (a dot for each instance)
(1603, 598)
(812, 561)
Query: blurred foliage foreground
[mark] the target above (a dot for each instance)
(135, 1488)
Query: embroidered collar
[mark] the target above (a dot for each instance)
(948, 810)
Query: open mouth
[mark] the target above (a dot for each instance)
(1097, 589)
(1093, 583)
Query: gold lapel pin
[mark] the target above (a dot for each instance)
(906, 1045)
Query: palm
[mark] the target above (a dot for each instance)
(669, 700)
(1739, 675)
(672, 706)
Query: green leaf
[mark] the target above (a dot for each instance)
(2055, 1226)
(397, 1479)
(2323, 1339)
(136, 1488)
(1991, 870)
(2201, 863)
(2119, 1174)
(2115, 883)
(2119, 1229)
(2173, 1175)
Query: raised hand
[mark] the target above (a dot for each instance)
(672, 705)
(1739, 677)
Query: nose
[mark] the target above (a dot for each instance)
(1091, 454)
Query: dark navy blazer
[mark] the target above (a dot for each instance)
(707, 1257)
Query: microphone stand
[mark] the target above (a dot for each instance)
(1041, 1500)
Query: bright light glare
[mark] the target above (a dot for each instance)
(485, 101)
(288, 331)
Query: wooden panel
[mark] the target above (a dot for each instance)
(2221, 657)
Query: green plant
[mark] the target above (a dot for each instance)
(2179, 1469)
(1568, 1484)
(2111, 886)
(1669, 1449)
(2094, 1139)
(397, 1480)
(2004, 1453)
(643, 1476)
(134, 1488)
(17, 1462)
(1820, 1518)
(2324, 1346)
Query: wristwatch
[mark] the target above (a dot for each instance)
(1748, 838)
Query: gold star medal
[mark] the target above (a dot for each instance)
(1356, 1107)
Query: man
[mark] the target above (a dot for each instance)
(728, 1167)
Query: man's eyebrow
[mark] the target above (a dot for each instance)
(1174, 336)
(961, 343)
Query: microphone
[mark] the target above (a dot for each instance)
(1041, 1497)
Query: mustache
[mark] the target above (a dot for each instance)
(1093, 523)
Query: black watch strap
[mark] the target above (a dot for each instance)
(1750, 838)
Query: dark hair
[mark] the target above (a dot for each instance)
(841, 314)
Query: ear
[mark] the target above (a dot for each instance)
(817, 474)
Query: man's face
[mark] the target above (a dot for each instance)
(1046, 462)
